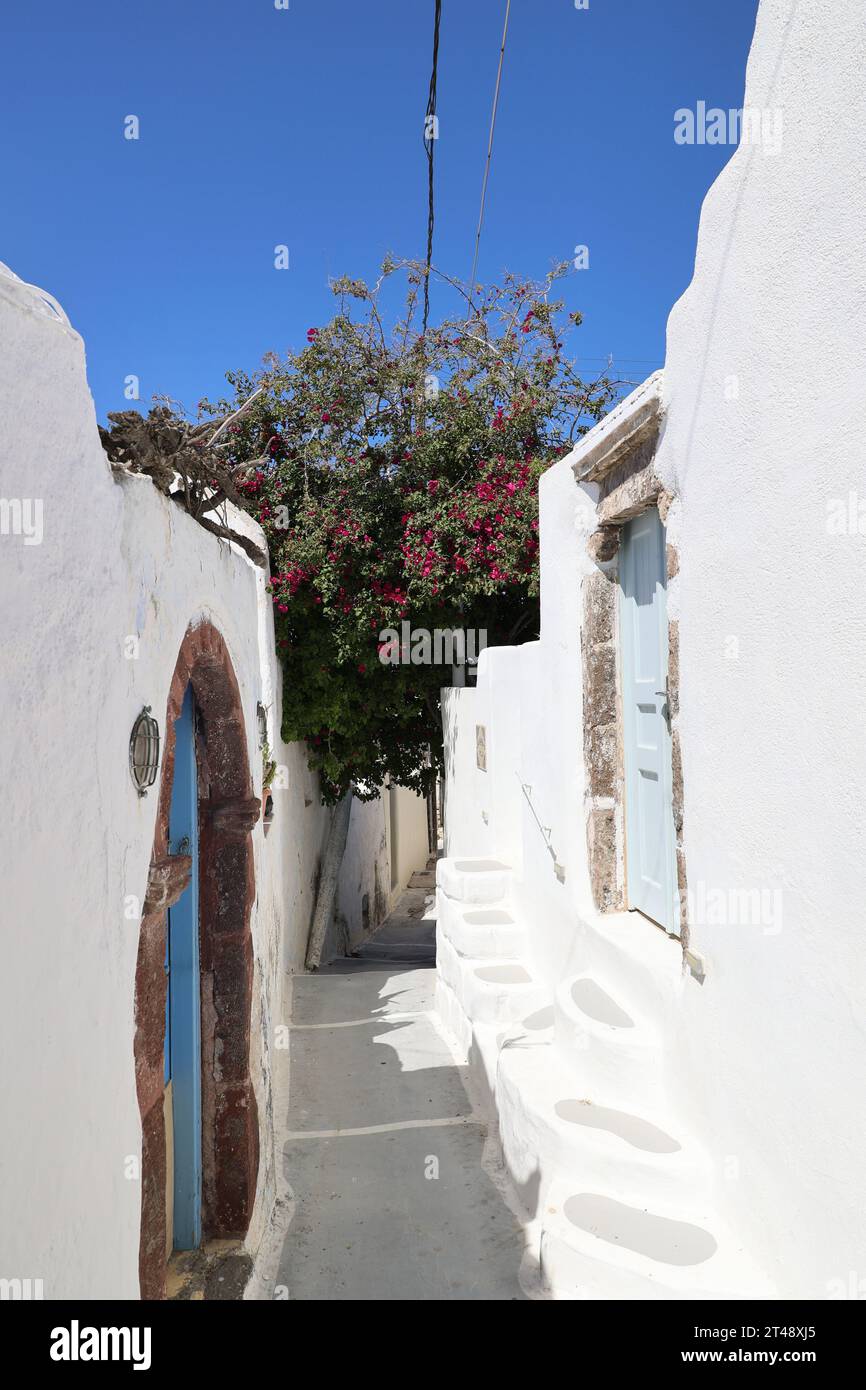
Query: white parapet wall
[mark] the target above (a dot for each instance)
(751, 1058)
(95, 608)
(408, 837)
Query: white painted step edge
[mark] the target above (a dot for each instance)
(481, 931)
(585, 1005)
(615, 1054)
(572, 1134)
(499, 992)
(577, 1264)
(473, 880)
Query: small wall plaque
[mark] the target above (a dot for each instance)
(481, 746)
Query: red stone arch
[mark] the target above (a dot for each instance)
(227, 812)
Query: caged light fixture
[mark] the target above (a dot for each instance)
(144, 751)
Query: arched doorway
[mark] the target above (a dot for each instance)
(204, 722)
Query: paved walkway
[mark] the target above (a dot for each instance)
(383, 1150)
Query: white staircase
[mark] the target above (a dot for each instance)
(622, 1200)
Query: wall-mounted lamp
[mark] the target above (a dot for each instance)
(144, 751)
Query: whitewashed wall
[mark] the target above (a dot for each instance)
(365, 875)
(464, 809)
(765, 412)
(774, 739)
(408, 837)
(116, 560)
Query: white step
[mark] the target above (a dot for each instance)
(451, 1015)
(614, 1055)
(474, 880)
(553, 1128)
(593, 1247)
(498, 992)
(482, 933)
(480, 1043)
(644, 965)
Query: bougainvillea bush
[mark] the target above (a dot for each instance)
(400, 482)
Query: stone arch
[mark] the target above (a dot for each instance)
(227, 812)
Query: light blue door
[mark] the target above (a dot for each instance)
(650, 845)
(183, 1021)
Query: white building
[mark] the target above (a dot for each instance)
(651, 924)
(117, 1145)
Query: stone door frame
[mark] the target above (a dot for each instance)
(227, 812)
(621, 465)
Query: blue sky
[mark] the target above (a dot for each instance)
(304, 127)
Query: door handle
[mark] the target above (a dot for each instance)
(666, 709)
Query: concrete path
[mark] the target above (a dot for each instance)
(383, 1150)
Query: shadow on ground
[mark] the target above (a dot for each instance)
(382, 1148)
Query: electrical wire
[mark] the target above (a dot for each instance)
(429, 139)
(489, 152)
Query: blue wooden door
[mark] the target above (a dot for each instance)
(183, 1014)
(650, 844)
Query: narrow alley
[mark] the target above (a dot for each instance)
(391, 1170)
